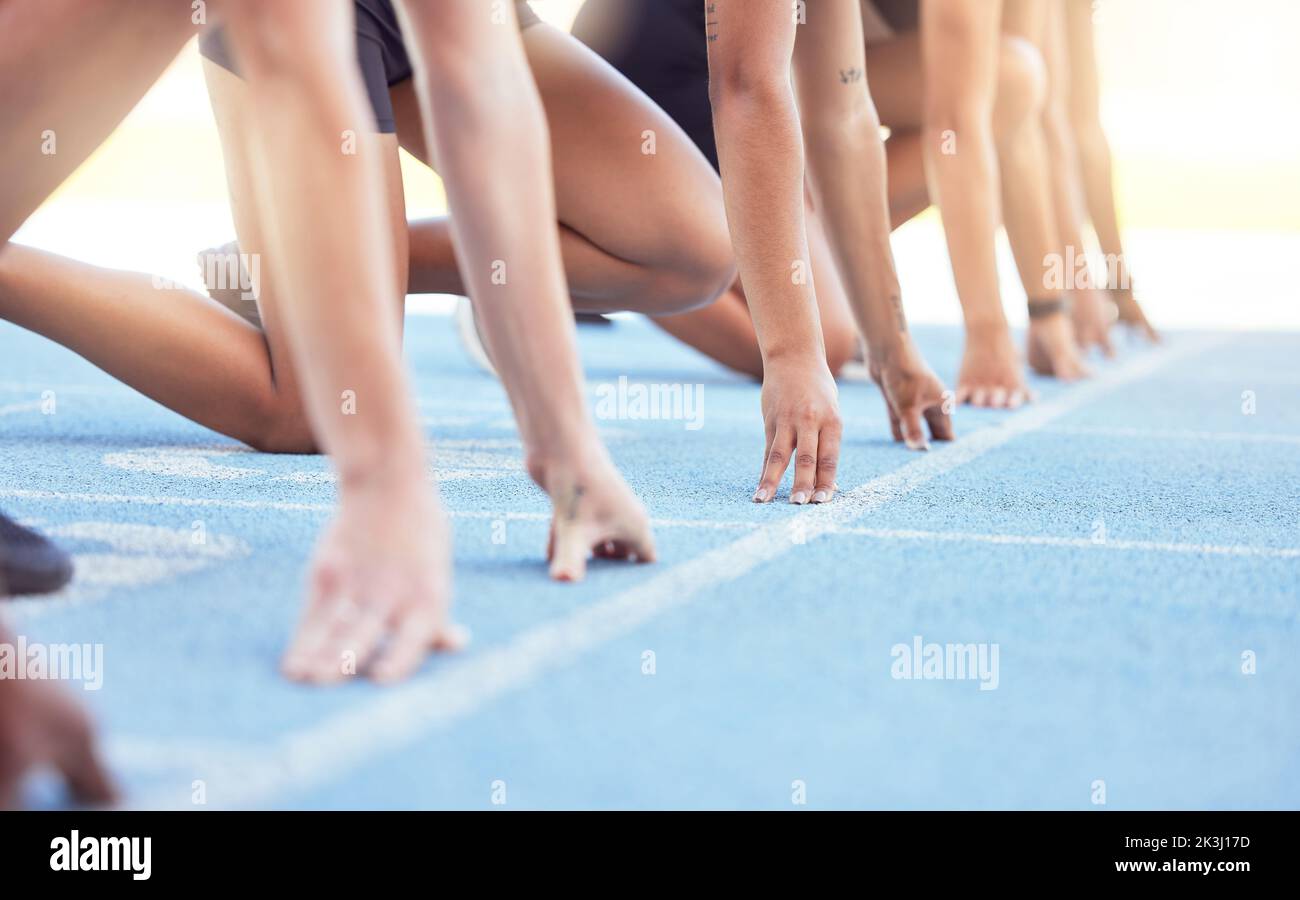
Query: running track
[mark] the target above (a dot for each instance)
(1125, 544)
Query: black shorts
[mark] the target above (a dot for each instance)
(900, 15)
(381, 53)
(662, 48)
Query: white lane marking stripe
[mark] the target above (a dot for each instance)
(285, 506)
(393, 718)
(1081, 543)
(1175, 434)
(33, 405)
(145, 500)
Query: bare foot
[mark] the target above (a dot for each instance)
(991, 375)
(1052, 349)
(1093, 314)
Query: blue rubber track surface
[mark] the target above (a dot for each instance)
(1128, 547)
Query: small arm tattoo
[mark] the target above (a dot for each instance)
(571, 514)
(897, 302)
(851, 76)
(711, 21)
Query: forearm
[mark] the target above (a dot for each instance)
(1083, 105)
(847, 171)
(1099, 189)
(326, 216)
(761, 157)
(1067, 187)
(965, 187)
(490, 139)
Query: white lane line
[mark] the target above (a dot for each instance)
(286, 506)
(147, 500)
(31, 406)
(1176, 434)
(391, 719)
(1076, 543)
(706, 525)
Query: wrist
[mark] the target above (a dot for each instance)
(397, 470)
(891, 349)
(560, 461)
(989, 326)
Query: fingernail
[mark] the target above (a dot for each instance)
(761, 495)
(799, 497)
(821, 497)
(917, 445)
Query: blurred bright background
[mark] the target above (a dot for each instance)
(1202, 106)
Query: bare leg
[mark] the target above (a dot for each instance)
(59, 104)
(641, 220)
(181, 344)
(724, 331)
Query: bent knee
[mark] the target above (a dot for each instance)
(700, 269)
(1022, 86)
(281, 428)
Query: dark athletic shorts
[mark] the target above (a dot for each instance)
(660, 46)
(381, 52)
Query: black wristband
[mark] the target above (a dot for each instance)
(1041, 309)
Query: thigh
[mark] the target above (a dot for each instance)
(70, 71)
(894, 71)
(627, 178)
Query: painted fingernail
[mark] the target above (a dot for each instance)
(821, 497)
(913, 444)
(761, 495)
(799, 498)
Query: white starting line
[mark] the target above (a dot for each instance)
(397, 716)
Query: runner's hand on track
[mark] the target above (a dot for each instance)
(802, 420)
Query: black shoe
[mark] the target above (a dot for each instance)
(30, 563)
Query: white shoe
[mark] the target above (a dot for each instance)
(470, 337)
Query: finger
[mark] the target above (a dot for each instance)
(1104, 342)
(451, 638)
(998, 398)
(413, 640)
(569, 560)
(828, 461)
(980, 397)
(314, 627)
(895, 426)
(1017, 399)
(779, 450)
(940, 423)
(913, 431)
(805, 467)
(640, 543)
(354, 637)
(962, 395)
